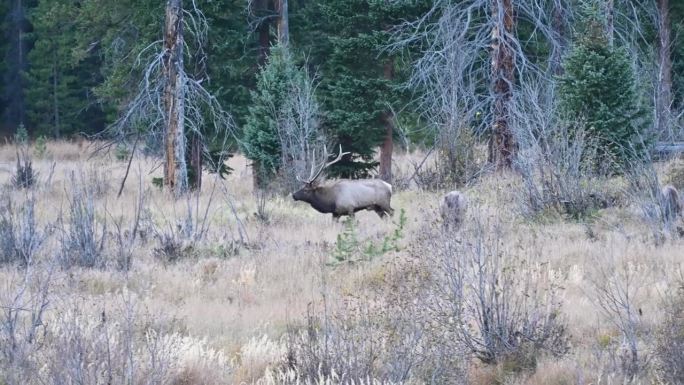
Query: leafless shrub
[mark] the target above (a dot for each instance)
(669, 350)
(181, 236)
(24, 300)
(98, 182)
(83, 235)
(118, 345)
(20, 236)
(383, 334)
(293, 377)
(124, 238)
(615, 291)
(554, 160)
(501, 305)
(24, 176)
(262, 212)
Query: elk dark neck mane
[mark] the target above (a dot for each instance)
(322, 203)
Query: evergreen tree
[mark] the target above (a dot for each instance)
(59, 81)
(677, 19)
(231, 56)
(597, 94)
(17, 27)
(261, 140)
(360, 80)
(4, 10)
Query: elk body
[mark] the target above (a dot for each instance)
(453, 209)
(671, 198)
(345, 197)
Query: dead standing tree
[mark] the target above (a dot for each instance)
(172, 104)
(502, 148)
(175, 169)
(456, 40)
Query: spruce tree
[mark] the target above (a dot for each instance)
(597, 95)
(261, 144)
(357, 91)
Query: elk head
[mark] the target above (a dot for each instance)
(307, 192)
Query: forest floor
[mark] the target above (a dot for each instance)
(226, 284)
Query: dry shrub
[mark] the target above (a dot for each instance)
(459, 159)
(25, 176)
(292, 377)
(116, 346)
(83, 235)
(553, 373)
(183, 234)
(258, 356)
(669, 346)
(500, 303)
(20, 235)
(24, 299)
(383, 335)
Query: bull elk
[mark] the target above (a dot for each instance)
(346, 196)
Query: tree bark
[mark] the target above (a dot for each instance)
(196, 147)
(263, 31)
(664, 90)
(388, 121)
(175, 170)
(610, 28)
(283, 23)
(502, 146)
(264, 36)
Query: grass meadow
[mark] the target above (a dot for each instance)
(229, 287)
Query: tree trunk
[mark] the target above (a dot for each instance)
(664, 85)
(196, 147)
(264, 36)
(502, 146)
(175, 170)
(55, 97)
(15, 112)
(283, 23)
(388, 121)
(263, 31)
(610, 28)
(558, 23)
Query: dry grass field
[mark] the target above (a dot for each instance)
(215, 294)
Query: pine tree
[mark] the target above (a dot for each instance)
(597, 94)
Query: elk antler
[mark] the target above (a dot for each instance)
(313, 176)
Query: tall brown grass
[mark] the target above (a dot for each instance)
(221, 311)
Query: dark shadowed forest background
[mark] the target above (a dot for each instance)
(377, 71)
